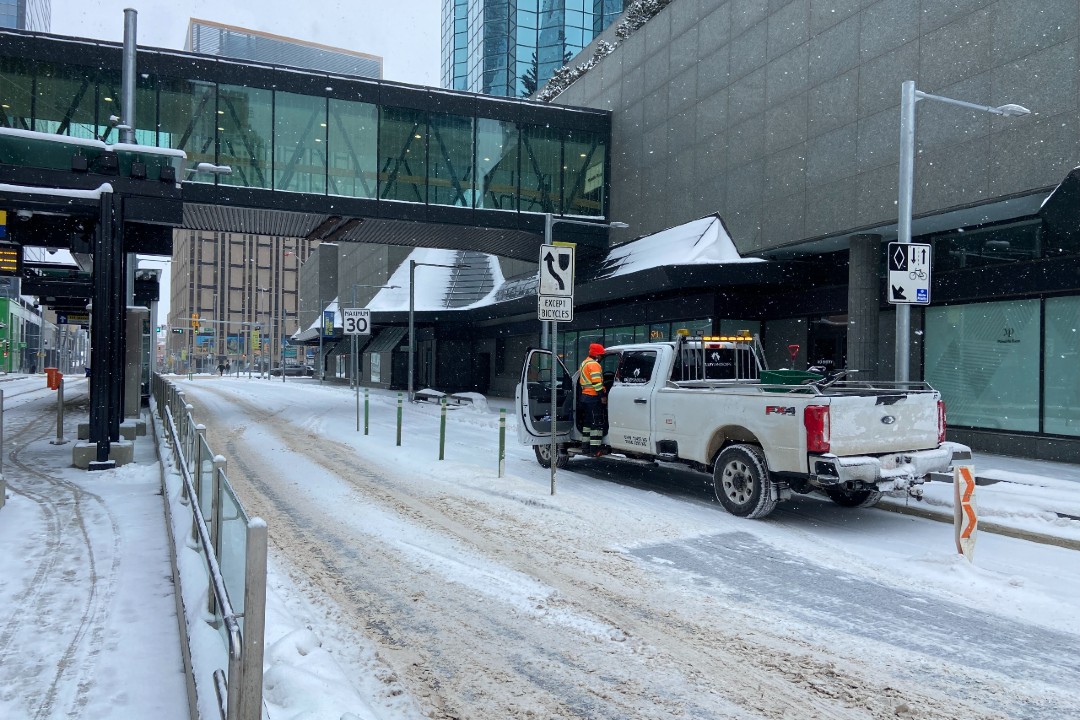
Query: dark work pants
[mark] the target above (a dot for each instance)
(592, 419)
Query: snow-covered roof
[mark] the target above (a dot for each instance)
(699, 242)
(91, 143)
(435, 288)
(445, 279)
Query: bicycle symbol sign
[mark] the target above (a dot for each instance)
(909, 273)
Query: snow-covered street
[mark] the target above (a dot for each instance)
(442, 590)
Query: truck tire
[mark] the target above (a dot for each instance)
(543, 456)
(741, 482)
(868, 497)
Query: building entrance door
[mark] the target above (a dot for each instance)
(828, 342)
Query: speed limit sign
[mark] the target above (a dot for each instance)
(357, 321)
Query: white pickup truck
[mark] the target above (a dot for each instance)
(762, 435)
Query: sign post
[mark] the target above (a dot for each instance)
(556, 305)
(356, 322)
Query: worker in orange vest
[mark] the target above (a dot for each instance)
(593, 397)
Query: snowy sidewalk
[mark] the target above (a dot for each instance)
(90, 628)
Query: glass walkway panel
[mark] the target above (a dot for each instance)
(365, 142)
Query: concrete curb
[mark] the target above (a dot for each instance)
(989, 527)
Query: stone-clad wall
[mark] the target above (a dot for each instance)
(784, 115)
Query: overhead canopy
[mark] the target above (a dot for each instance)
(386, 340)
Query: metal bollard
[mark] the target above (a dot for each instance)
(442, 426)
(365, 411)
(502, 441)
(59, 416)
(217, 481)
(399, 419)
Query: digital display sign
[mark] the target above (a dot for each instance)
(10, 259)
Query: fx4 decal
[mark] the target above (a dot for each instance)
(779, 410)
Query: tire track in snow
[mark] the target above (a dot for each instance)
(66, 506)
(681, 662)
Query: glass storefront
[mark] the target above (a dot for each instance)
(1061, 370)
(987, 360)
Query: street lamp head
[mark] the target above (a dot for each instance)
(1011, 110)
(211, 168)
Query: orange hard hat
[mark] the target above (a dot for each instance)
(596, 349)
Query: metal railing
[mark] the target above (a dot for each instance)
(234, 548)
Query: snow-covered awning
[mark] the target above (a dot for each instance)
(312, 332)
(699, 242)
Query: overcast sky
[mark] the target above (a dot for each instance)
(405, 34)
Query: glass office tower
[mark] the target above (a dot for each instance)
(512, 47)
(212, 38)
(26, 14)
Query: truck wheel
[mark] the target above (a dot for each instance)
(868, 497)
(543, 456)
(741, 482)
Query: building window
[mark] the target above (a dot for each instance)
(245, 135)
(1061, 353)
(984, 360)
(990, 245)
(403, 154)
(352, 138)
(451, 160)
(300, 143)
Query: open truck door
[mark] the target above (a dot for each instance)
(532, 400)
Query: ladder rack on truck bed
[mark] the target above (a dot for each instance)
(844, 387)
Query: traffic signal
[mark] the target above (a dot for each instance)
(194, 321)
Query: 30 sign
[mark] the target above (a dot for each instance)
(357, 321)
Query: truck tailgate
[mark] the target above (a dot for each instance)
(869, 424)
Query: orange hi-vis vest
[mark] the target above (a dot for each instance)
(591, 378)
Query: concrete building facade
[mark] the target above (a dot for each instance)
(784, 116)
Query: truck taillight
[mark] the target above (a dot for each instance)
(816, 421)
(940, 421)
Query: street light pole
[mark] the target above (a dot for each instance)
(412, 312)
(553, 335)
(908, 97)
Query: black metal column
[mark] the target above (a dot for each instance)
(103, 336)
(118, 321)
